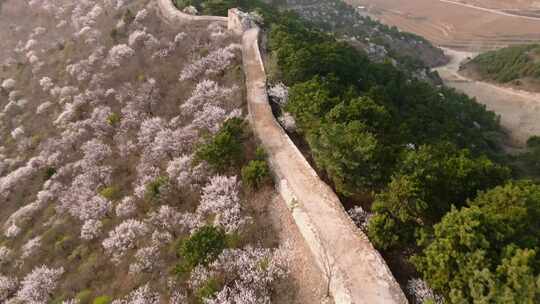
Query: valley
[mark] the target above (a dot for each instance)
(464, 29)
(519, 110)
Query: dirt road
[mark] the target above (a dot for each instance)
(519, 110)
(489, 10)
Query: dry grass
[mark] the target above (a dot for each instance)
(454, 26)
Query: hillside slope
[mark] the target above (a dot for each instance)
(515, 65)
(425, 151)
(341, 18)
(122, 146)
(410, 52)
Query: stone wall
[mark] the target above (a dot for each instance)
(239, 21)
(235, 23)
(357, 272)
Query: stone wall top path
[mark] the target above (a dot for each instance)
(355, 270)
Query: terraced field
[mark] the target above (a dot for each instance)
(478, 25)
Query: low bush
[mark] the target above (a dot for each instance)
(113, 119)
(128, 17)
(225, 148)
(155, 188)
(102, 300)
(255, 174)
(111, 193)
(207, 290)
(260, 154)
(201, 248)
(84, 297)
(60, 299)
(49, 172)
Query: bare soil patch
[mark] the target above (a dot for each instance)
(504, 4)
(455, 26)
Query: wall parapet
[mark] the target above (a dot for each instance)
(356, 272)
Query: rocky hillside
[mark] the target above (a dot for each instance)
(410, 52)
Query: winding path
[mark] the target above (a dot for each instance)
(489, 10)
(355, 271)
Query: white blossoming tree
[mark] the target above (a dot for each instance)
(8, 286)
(220, 198)
(36, 287)
(124, 237)
(141, 295)
(119, 54)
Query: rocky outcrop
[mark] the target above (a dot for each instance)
(354, 269)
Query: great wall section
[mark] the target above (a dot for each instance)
(356, 271)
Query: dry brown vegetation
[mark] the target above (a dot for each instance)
(504, 4)
(455, 26)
